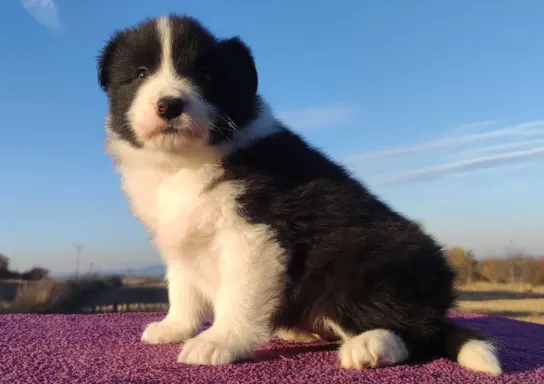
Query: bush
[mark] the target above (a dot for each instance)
(463, 263)
(36, 273)
(4, 263)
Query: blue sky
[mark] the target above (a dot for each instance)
(436, 105)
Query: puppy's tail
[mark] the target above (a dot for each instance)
(470, 349)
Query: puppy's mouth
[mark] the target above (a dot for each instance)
(188, 131)
(169, 129)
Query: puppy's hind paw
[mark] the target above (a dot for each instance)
(373, 349)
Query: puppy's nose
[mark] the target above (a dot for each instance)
(170, 107)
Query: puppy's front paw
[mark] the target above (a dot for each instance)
(204, 350)
(164, 332)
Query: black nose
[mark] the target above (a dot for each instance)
(170, 107)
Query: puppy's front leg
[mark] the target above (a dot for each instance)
(251, 273)
(186, 309)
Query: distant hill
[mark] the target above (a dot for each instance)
(150, 270)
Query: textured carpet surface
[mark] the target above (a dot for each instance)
(106, 349)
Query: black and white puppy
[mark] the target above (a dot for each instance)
(257, 227)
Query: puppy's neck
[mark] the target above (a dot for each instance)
(265, 124)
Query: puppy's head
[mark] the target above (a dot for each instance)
(172, 85)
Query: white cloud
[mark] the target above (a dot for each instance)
(500, 147)
(319, 117)
(471, 152)
(44, 12)
(485, 162)
(463, 128)
(529, 129)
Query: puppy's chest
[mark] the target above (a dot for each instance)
(179, 197)
(173, 205)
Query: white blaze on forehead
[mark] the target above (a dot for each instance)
(165, 34)
(165, 82)
(174, 85)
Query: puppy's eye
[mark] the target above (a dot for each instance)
(141, 73)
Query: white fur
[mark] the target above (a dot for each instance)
(296, 334)
(331, 326)
(216, 261)
(372, 349)
(480, 356)
(182, 319)
(213, 256)
(321, 328)
(264, 125)
(193, 125)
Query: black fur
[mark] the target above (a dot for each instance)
(352, 259)
(126, 52)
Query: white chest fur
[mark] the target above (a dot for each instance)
(182, 217)
(177, 196)
(173, 203)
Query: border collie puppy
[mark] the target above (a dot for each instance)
(257, 227)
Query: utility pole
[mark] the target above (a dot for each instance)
(78, 257)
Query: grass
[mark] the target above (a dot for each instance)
(515, 301)
(497, 287)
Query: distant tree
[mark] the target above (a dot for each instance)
(12, 275)
(4, 263)
(529, 271)
(495, 270)
(36, 273)
(464, 264)
(514, 268)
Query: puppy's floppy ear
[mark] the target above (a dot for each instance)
(238, 64)
(104, 61)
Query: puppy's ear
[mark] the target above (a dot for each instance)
(104, 61)
(237, 65)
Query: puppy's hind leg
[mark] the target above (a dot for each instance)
(373, 349)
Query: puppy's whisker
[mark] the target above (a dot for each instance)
(230, 124)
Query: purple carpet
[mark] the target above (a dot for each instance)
(106, 349)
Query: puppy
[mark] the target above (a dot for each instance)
(257, 227)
